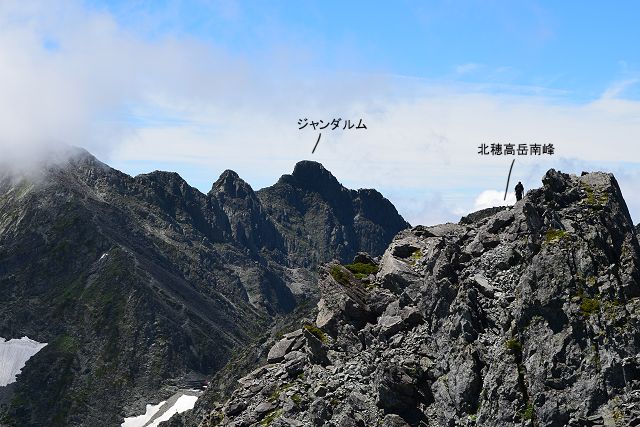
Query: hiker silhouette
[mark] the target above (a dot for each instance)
(519, 191)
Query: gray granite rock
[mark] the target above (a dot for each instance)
(524, 316)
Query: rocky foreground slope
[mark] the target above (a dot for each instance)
(528, 315)
(140, 284)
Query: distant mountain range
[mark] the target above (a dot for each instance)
(137, 284)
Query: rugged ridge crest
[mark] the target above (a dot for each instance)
(528, 315)
(138, 283)
(321, 220)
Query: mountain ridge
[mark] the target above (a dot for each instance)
(526, 316)
(135, 283)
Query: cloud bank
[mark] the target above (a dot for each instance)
(491, 198)
(74, 75)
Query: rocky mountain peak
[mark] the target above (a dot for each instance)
(312, 175)
(78, 155)
(309, 167)
(57, 162)
(170, 182)
(229, 175)
(335, 221)
(527, 315)
(135, 282)
(231, 185)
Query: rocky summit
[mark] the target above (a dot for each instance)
(142, 286)
(520, 316)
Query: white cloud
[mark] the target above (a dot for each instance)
(493, 198)
(70, 75)
(76, 76)
(618, 88)
(467, 68)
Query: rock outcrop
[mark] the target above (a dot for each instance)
(321, 220)
(522, 316)
(138, 282)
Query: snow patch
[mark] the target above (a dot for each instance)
(142, 420)
(180, 402)
(184, 403)
(14, 355)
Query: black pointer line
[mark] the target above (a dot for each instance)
(508, 179)
(316, 146)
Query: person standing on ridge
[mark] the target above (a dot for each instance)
(519, 191)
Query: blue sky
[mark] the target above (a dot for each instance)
(575, 48)
(203, 86)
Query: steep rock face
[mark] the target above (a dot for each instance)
(135, 283)
(321, 220)
(124, 279)
(249, 224)
(521, 316)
